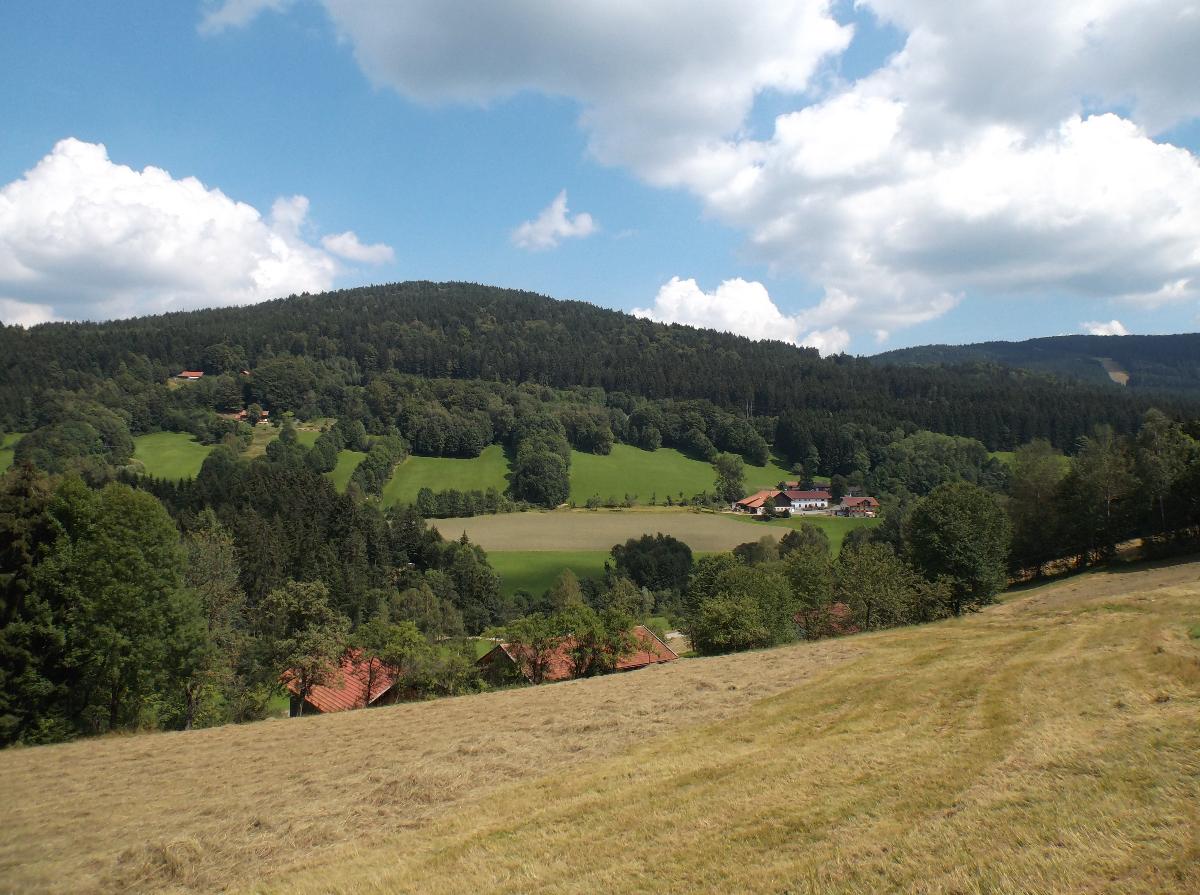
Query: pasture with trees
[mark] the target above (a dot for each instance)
(135, 600)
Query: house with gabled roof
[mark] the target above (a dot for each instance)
(858, 506)
(506, 662)
(758, 504)
(347, 688)
(807, 500)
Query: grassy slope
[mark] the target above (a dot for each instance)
(627, 470)
(1048, 744)
(836, 527)
(535, 570)
(641, 474)
(8, 444)
(170, 455)
(347, 462)
(600, 529)
(441, 473)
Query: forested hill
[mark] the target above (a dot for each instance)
(318, 354)
(1163, 364)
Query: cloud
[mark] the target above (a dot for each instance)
(1100, 328)
(20, 313)
(552, 226)
(1007, 148)
(744, 308)
(346, 245)
(82, 237)
(221, 14)
(660, 83)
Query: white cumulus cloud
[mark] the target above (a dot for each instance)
(1101, 328)
(744, 308)
(347, 245)
(1007, 148)
(552, 226)
(84, 237)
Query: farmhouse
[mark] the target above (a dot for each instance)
(244, 416)
(190, 375)
(858, 506)
(758, 504)
(347, 689)
(782, 503)
(506, 662)
(807, 500)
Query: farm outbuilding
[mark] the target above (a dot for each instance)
(505, 662)
(347, 688)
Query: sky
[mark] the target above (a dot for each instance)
(854, 176)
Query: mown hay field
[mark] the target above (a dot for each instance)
(488, 470)
(170, 455)
(590, 530)
(1048, 744)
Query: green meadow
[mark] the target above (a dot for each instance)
(535, 570)
(1008, 458)
(8, 445)
(645, 474)
(836, 527)
(347, 462)
(170, 455)
(488, 470)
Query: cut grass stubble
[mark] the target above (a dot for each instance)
(1047, 744)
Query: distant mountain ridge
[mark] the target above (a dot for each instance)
(1165, 364)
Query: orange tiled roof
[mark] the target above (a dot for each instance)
(650, 651)
(859, 501)
(349, 687)
(757, 499)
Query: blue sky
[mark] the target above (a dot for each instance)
(854, 177)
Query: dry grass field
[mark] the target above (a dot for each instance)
(1048, 744)
(576, 530)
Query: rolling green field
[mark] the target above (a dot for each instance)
(581, 541)
(836, 527)
(170, 455)
(8, 444)
(643, 474)
(347, 462)
(535, 570)
(441, 473)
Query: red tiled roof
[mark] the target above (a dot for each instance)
(651, 651)
(191, 373)
(859, 501)
(349, 687)
(757, 499)
(807, 495)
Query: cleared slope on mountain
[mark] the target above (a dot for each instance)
(1008, 751)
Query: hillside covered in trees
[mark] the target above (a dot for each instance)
(1166, 365)
(128, 601)
(319, 355)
